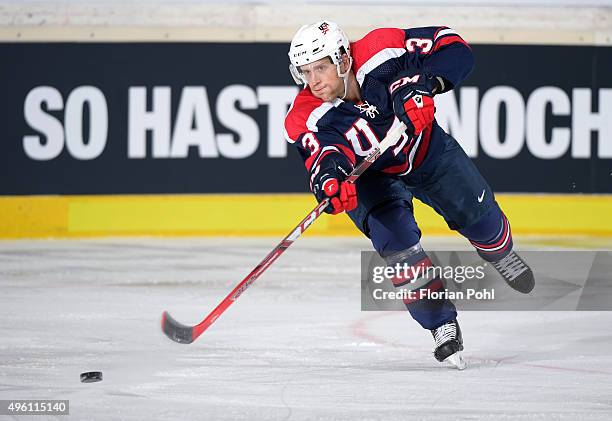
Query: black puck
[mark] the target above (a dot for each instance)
(91, 377)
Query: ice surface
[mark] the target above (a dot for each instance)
(295, 346)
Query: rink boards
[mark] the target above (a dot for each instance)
(266, 214)
(80, 159)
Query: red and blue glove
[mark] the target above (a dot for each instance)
(329, 183)
(413, 102)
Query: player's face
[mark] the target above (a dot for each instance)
(323, 79)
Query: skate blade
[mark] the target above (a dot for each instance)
(457, 361)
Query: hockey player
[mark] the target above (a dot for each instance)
(354, 93)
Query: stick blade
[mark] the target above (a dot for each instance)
(176, 331)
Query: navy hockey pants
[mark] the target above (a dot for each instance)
(449, 183)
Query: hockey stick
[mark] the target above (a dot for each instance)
(181, 333)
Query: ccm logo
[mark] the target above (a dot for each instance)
(403, 81)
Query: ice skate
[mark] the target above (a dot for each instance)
(515, 272)
(449, 344)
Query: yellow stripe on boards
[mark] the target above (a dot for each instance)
(266, 215)
(189, 215)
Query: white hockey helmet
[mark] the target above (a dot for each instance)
(314, 42)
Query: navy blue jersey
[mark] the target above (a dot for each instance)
(319, 128)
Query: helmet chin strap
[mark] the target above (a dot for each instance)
(344, 76)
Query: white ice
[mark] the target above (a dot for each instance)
(295, 346)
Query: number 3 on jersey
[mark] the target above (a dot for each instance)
(310, 142)
(423, 43)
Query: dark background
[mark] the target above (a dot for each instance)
(115, 67)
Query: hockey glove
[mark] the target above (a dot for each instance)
(413, 101)
(328, 183)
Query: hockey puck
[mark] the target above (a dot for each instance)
(91, 377)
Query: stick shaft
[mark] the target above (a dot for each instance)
(389, 140)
